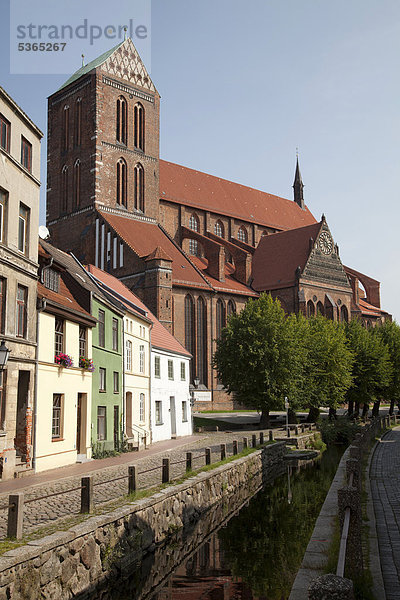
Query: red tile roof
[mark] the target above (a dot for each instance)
(63, 298)
(370, 310)
(144, 237)
(230, 285)
(278, 255)
(206, 192)
(160, 336)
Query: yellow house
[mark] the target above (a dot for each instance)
(64, 377)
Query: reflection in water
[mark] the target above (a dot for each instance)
(257, 554)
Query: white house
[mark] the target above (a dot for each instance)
(170, 409)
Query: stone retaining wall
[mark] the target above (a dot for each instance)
(67, 564)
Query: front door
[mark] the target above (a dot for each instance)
(173, 415)
(79, 425)
(116, 427)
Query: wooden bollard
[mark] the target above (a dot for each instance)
(189, 457)
(208, 456)
(303, 428)
(296, 430)
(254, 440)
(15, 515)
(165, 470)
(234, 447)
(131, 479)
(271, 435)
(245, 443)
(87, 494)
(288, 432)
(223, 451)
(261, 438)
(310, 427)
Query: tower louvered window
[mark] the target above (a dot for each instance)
(139, 126)
(78, 122)
(138, 184)
(77, 183)
(121, 182)
(64, 189)
(65, 128)
(122, 123)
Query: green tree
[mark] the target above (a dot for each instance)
(389, 333)
(372, 370)
(326, 363)
(255, 356)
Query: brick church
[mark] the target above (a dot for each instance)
(193, 246)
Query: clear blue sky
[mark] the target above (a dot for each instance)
(244, 83)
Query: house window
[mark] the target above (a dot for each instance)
(5, 133)
(101, 423)
(121, 182)
(21, 320)
(141, 408)
(157, 367)
(115, 334)
(101, 326)
(65, 128)
(116, 382)
(139, 126)
(77, 183)
(170, 369)
(23, 226)
(3, 284)
(122, 131)
(159, 420)
(230, 309)
(201, 339)
(102, 379)
(242, 235)
(51, 279)
(128, 355)
(26, 154)
(58, 336)
(194, 226)
(64, 189)
(3, 375)
(3, 206)
(78, 121)
(141, 359)
(184, 411)
(220, 317)
(82, 341)
(56, 422)
(219, 229)
(138, 186)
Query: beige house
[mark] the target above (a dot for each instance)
(19, 222)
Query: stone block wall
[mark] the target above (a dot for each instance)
(64, 564)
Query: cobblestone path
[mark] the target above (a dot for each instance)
(50, 509)
(385, 487)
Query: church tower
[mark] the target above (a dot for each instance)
(298, 186)
(103, 147)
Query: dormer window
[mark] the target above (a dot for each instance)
(51, 279)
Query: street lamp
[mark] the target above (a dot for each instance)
(4, 354)
(287, 415)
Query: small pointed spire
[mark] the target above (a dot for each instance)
(83, 60)
(125, 29)
(298, 184)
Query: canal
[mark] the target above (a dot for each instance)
(252, 554)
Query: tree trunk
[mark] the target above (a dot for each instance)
(313, 415)
(375, 409)
(391, 409)
(365, 410)
(332, 414)
(357, 410)
(264, 419)
(350, 408)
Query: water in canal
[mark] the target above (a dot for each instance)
(253, 555)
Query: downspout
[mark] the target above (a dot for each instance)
(150, 347)
(212, 343)
(123, 382)
(39, 310)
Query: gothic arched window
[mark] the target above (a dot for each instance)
(122, 121)
(78, 121)
(194, 226)
(201, 341)
(242, 235)
(138, 187)
(231, 308)
(121, 182)
(139, 126)
(320, 309)
(310, 308)
(77, 183)
(65, 127)
(220, 317)
(219, 229)
(344, 314)
(64, 189)
(189, 330)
